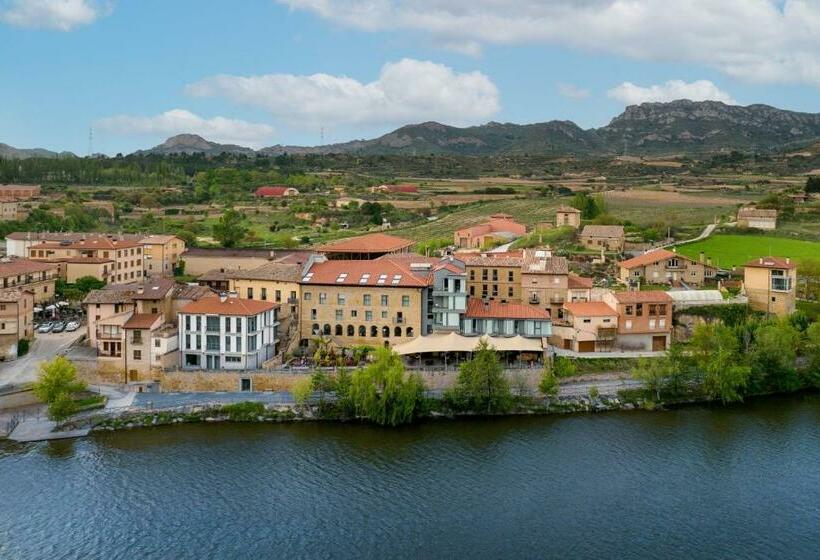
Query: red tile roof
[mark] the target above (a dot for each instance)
(590, 309)
(370, 243)
(142, 321)
(478, 309)
(403, 188)
(648, 296)
(272, 191)
(385, 273)
(15, 267)
(231, 306)
(576, 282)
(771, 262)
(650, 258)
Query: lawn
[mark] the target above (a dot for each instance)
(735, 250)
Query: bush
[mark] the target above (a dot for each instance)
(549, 383)
(57, 377)
(22, 347)
(61, 407)
(243, 411)
(564, 367)
(593, 392)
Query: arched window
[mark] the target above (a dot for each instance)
(409, 332)
(351, 330)
(339, 330)
(362, 330)
(315, 329)
(386, 332)
(397, 331)
(326, 329)
(374, 331)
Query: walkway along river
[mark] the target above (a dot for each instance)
(696, 482)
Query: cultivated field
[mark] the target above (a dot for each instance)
(734, 250)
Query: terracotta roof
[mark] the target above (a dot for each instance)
(231, 306)
(650, 258)
(494, 261)
(94, 243)
(79, 260)
(155, 289)
(273, 190)
(648, 296)
(404, 188)
(545, 265)
(113, 293)
(216, 275)
(15, 267)
(370, 243)
(142, 321)
(191, 291)
(603, 231)
(590, 309)
(385, 273)
(771, 262)
(575, 282)
(569, 209)
(478, 309)
(277, 271)
(11, 295)
(66, 236)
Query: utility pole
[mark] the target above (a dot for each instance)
(90, 141)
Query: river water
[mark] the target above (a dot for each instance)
(699, 482)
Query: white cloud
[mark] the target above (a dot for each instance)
(180, 121)
(572, 91)
(753, 40)
(405, 91)
(62, 15)
(700, 90)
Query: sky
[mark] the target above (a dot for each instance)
(305, 72)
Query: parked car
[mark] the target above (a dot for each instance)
(59, 326)
(72, 326)
(45, 327)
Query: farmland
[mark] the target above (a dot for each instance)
(734, 250)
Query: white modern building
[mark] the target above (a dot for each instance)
(227, 333)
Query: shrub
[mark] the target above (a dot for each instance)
(564, 367)
(243, 411)
(549, 383)
(61, 407)
(593, 392)
(22, 347)
(57, 377)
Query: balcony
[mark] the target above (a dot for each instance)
(447, 293)
(780, 284)
(534, 299)
(292, 301)
(399, 320)
(107, 335)
(607, 333)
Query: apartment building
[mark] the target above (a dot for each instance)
(114, 261)
(590, 326)
(494, 277)
(37, 277)
(227, 333)
(545, 282)
(274, 281)
(770, 284)
(608, 238)
(644, 319)
(16, 320)
(660, 266)
(161, 254)
(365, 302)
(448, 296)
(11, 210)
(494, 318)
(500, 227)
(567, 216)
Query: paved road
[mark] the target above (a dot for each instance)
(45, 347)
(707, 231)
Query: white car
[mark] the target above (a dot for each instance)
(72, 326)
(45, 327)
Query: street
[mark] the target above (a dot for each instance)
(44, 347)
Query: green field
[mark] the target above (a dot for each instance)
(735, 250)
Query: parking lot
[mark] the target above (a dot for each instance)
(44, 347)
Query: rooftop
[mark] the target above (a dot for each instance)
(603, 231)
(158, 239)
(387, 273)
(191, 291)
(494, 261)
(277, 271)
(68, 236)
(370, 243)
(650, 258)
(648, 296)
(11, 295)
(142, 320)
(220, 253)
(15, 267)
(568, 209)
(590, 309)
(216, 305)
(752, 212)
(154, 289)
(545, 265)
(575, 282)
(479, 309)
(273, 190)
(112, 293)
(771, 262)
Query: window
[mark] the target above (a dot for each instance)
(340, 314)
(212, 324)
(263, 293)
(137, 354)
(306, 296)
(251, 324)
(384, 300)
(198, 342)
(384, 314)
(156, 343)
(277, 296)
(341, 299)
(322, 298)
(368, 315)
(313, 315)
(661, 322)
(233, 359)
(227, 344)
(628, 324)
(374, 331)
(351, 330)
(227, 324)
(472, 275)
(409, 332)
(187, 342)
(651, 323)
(385, 332)
(354, 313)
(366, 299)
(338, 330)
(397, 331)
(362, 330)
(405, 301)
(639, 309)
(587, 320)
(653, 309)
(238, 324)
(238, 340)
(628, 310)
(252, 343)
(662, 309)
(484, 274)
(198, 323)
(250, 293)
(511, 276)
(510, 291)
(212, 342)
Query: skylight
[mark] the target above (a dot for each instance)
(308, 277)
(396, 279)
(342, 277)
(382, 279)
(365, 278)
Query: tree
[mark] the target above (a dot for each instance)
(87, 283)
(812, 184)
(653, 373)
(383, 393)
(564, 367)
(813, 353)
(301, 390)
(56, 377)
(715, 353)
(230, 229)
(481, 385)
(548, 385)
(773, 357)
(62, 407)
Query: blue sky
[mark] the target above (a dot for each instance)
(138, 71)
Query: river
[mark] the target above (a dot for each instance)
(698, 482)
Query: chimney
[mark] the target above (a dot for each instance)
(788, 260)
(709, 261)
(141, 289)
(760, 261)
(223, 297)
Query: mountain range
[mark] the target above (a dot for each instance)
(680, 127)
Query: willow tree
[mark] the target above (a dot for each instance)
(384, 393)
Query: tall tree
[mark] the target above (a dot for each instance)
(230, 229)
(481, 385)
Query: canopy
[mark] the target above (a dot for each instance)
(62, 304)
(453, 342)
(51, 307)
(38, 309)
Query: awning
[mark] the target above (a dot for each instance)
(453, 342)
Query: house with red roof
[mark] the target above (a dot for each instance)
(586, 326)
(366, 247)
(770, 284)
(644, 319)
(275, 191)
(500, 227)
(661, 266)
(494, 318)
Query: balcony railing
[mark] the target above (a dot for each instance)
(109, 335)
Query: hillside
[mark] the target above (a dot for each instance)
(10, 152)
(193, 144)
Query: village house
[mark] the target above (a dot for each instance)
(10, 210)
(494, 318)
(448, 297)
(20, 192)
(590, 326)
(113, 261)
(644, 319)
(757, 218)
(366, 247)
(545, 281)
(493, 277)
(608, 238)
(16, 320)
(37, 277)
(662, 266)
(275, 281)
(568, 216)
(500, 227)
(227, 333)
(275, 191)
(161, 254)
(364, 302)
(770, 283)
(404, 188)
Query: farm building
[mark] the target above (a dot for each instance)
(275, 191)
(568, 216)
(405, 188)
(610, 238)
(500, 226)
(758, 218)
